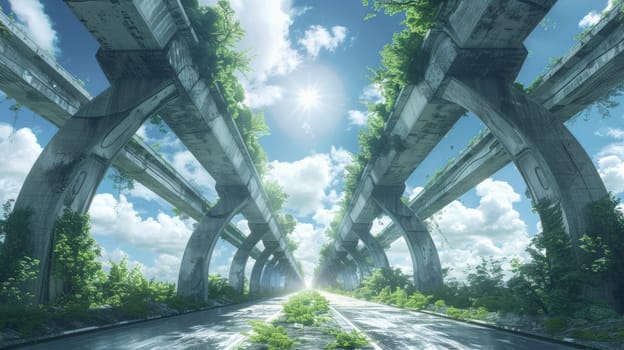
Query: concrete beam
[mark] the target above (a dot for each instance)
(196, 117)
(588, 71)
(472, 34)
(37, 81)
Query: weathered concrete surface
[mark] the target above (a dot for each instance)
(553, 164)
(376, 251)
(195, 116)
(71, 166)
(255, 285)
(425, 262)
(483, 38)
(362, 266)
(237, 268)
(195, 266)
(588, 71)
(38, 82)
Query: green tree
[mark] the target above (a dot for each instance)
(486, 285)
(386, 278)
(74, 263)
(552, 279)
(17, 266)
(603, 248)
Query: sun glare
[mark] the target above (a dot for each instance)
(308, 98)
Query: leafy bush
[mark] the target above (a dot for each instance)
(305, 307)
(418, 301)
(274, 337)
(347, 340)
(555, 325)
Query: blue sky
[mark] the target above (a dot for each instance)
(322, 50)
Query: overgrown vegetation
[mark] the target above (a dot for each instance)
(403, 63)
(549, 285)
(304, 311)
(82, 288)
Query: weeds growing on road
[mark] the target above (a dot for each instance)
(305, 315)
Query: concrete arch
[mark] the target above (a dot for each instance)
(255, 285)
(237, 268)
(362, 231)
(193, 277)
(267, 274)
(348, 271)
(362, 266)
(552, 163)
(425, 260)
(70, 168)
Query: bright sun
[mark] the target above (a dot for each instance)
(308, 98)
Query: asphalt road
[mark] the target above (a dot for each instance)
(211, 329)
(393, 328)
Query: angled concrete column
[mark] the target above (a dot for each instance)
(269, 270)
(380, 260)
(349, 271)
(279, 276)
(553, 164)
(193, 277)
(70, 168)
(237, 268)
(259, 265)
(363, 268)
(425, 261)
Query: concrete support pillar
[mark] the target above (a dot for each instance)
(425, 260)
(239, 262)
(70, 168)
(269, 270)
(380, 260)
(259, 265)
(349, 271)
(553, 164)
(193, 277)
(279, 275)
(363, 268)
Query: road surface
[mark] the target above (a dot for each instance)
(393, 328)
(211, 329)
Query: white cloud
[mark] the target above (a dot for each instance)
(615, 133)
(140, 191)
(372, 94)
(307, 180)
(462, 235)
(317, 38)
(358, 118)
(594, 17)
(20, 150)
(164, 267)
(120, 220)
(38, 24)
(266, 40)
(611, 170)
(260, 95)
(310, 238)
(610, 162)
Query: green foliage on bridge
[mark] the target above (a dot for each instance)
(219, 62)
(402, 63)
